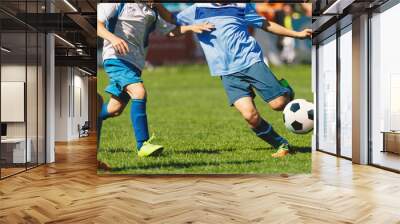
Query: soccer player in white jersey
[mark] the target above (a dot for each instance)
(125, 28)
(235, 56)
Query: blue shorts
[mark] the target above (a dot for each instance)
(258, 77)
(121, 73)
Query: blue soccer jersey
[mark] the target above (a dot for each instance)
(229, 48)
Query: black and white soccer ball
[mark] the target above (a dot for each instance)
(298, 116)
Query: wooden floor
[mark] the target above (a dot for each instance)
(69, 191)
(5, 172)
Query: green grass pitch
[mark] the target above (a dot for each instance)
(189, 115)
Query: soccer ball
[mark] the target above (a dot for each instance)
(298, 116)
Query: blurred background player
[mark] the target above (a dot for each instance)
(234, 55)
(125, 28)
(268, 42)
(278, 50)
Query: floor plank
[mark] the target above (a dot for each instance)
(69, 191)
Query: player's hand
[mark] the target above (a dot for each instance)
(200, 28)
(120, 45)
(306, 33)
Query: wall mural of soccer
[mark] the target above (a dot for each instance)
(204, 88)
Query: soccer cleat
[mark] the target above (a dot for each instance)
(285, 83)
(283, 150)
(149, 149)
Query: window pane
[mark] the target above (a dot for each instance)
(32, 98)
(385, 84)
(346, 92)
(13, 85)
(41, 99)
(327, 95)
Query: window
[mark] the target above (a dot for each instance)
(22, 77)
(346, 75)
(385, 89)
(327, 95)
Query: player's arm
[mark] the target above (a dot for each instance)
(277, 29)
(104, 13)
(184, 21)
(196, 28)
(165, 14)
(118, 43)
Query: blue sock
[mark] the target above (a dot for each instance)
(267, 133)
(139, 121)
(102, 116)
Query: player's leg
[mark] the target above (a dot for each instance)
(137, 93)
(112, 108)
(272, 91)
(261, 128)
(126, 84)
(248, 110)
(241, 96)
(279, 103)
(277, 93)
(113, 68)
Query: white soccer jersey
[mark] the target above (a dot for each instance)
(133, 25)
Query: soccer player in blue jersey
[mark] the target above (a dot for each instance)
(235, 56)
(125, 28)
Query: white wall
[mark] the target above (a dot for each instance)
(14, 73)
(70, 83)
(61, 103)
(80, 85)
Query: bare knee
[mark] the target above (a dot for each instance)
(279, 103)
(248, 110)
(115, 109)
(136, 91)
(252, 117)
